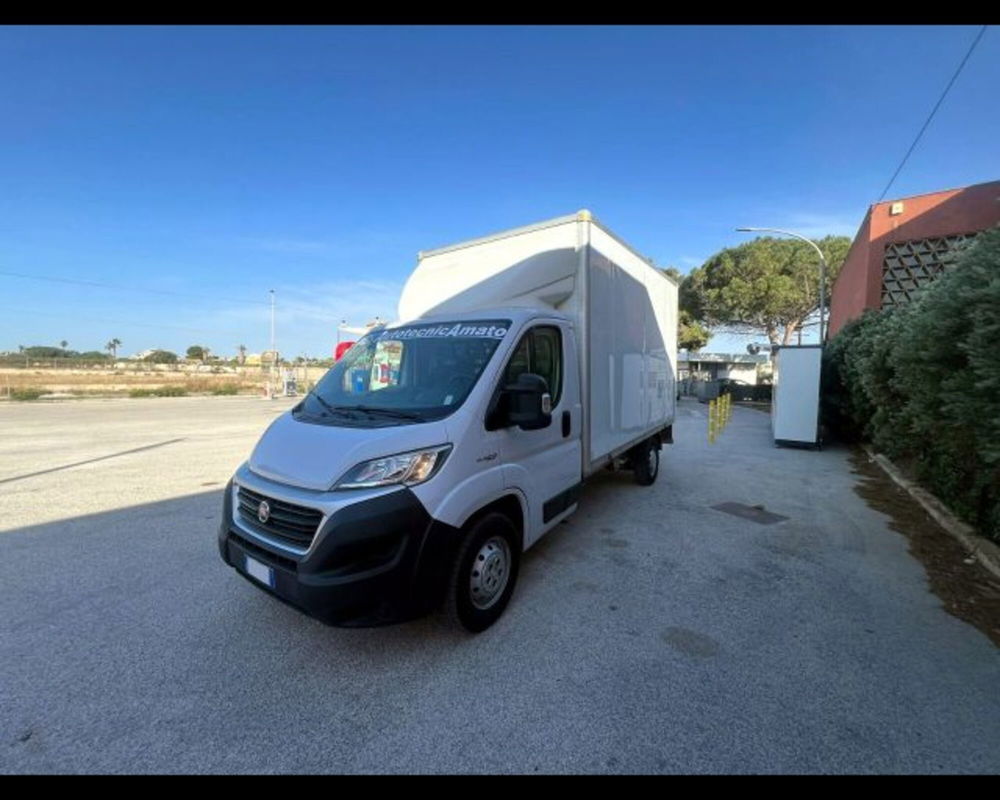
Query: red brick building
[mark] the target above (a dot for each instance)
(903, 244)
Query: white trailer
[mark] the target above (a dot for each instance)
(441, 447)
(795, 398)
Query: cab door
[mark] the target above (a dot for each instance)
(545, 464)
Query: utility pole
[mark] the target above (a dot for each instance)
(274, 355)
(272, 319)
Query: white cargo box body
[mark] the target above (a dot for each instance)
(795, 400)
(623, 309)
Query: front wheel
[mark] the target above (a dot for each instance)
(484, 573)
(646, 462)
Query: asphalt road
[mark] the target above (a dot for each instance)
(650, 633)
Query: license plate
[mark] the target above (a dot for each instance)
(261, 572)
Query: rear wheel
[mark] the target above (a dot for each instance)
(646, 462)
(484, 573)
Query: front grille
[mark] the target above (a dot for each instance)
(288, 522)
(262, 554)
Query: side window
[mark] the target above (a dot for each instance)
(520, 361)
(547, 359)
(540, 352)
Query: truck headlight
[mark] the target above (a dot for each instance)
(407, 469)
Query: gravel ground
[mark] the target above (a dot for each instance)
(650, 633)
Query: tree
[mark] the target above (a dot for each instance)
(161, 357)
(113, 346)
(196, 351)
(63, 344)
(768, 285)
(691, 335)
(45, 351)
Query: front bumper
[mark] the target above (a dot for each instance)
(379, 560)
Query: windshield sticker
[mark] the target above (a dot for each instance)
(458, 330)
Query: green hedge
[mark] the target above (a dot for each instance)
(922, 384)
(27, 393)
(163, 391)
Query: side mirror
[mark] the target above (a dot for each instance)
(529, 404)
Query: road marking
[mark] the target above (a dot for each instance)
(90, 460)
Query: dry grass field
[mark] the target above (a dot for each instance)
(35, 383)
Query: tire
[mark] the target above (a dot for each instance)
(477, 597)
(646, 461)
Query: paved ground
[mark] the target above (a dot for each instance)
(648, 634)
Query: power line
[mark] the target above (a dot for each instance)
(933, 112)
(100, 285)
(76, 317)
(165, 292)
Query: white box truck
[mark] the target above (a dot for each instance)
(441, 447)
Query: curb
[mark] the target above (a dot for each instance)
(985, 552)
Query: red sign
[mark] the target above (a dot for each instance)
(342, 348)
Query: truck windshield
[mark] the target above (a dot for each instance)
(394, 376)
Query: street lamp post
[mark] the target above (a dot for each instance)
(271, 291)
(822, 269)
(271, 371)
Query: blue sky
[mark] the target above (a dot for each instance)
(212, 164)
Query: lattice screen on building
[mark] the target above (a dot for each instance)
(908, 266)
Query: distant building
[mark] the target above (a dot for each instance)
(902, 245)
(713, 366)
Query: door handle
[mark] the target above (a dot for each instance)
(566, 424)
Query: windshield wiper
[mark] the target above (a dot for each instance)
(326, 405)
(351, 411)
(346, 410)
(391, 412)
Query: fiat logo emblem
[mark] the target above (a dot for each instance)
(263, 511)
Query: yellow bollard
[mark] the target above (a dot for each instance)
(711, 422)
